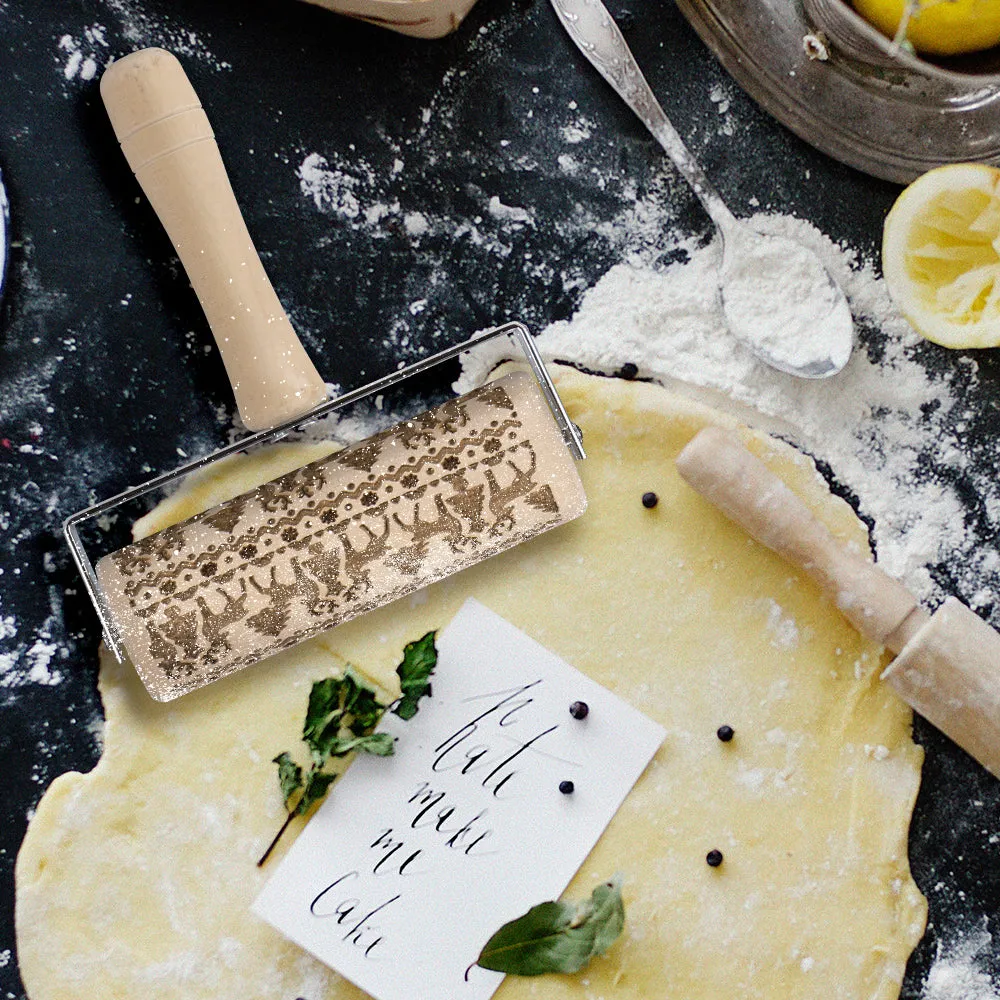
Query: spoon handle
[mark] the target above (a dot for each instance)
(595, 33)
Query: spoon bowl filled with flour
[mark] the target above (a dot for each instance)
(778, 298)
(781, 302)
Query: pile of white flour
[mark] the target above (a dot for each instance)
(889, 429)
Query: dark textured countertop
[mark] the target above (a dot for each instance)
(106, 368)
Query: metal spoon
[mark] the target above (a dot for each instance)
(777, 297)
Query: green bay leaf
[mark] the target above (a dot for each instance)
(557, 936)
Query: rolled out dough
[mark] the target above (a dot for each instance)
(135, 880)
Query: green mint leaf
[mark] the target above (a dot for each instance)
(340, 718)
(419, 660)
(289, 777)
(317, 785)
(323, 709)
(336, 705)
(380, 744)
(557, 937)
(360, 705)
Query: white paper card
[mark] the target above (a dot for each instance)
(415, 860)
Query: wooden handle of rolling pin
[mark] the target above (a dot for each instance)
(717, 465)
(948, 667)
(170, 146)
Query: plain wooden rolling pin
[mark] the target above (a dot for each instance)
(170, 146)
(948, 663)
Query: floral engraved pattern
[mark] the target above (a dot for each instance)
(340, 537)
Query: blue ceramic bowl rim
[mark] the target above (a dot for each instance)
(4, 234)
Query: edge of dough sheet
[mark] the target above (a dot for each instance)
(172, 931)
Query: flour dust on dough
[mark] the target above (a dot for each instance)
(135, 880)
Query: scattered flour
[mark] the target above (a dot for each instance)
(783, 630)
(416, 224)
(34, 659)
(73, 63)
(333, 190)
(721, 96)
(957, 972)
(32, 665)
(508, 213)
(577, 132)
(85, 55)
(568, 164)
(346, 189)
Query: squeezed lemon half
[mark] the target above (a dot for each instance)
(941, 255)
(938, 27)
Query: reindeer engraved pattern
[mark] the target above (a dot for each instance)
(501, 498)
(358, 559)
(282, 494)
(215, 623)
(421, 531)
(337, 538)
(228, 516)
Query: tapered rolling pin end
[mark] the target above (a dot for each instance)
(143, 88)
(948, 663)
(950, 673)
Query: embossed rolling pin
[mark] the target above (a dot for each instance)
(947, 665)
(169, 144)
(340, 537)
(334, 539)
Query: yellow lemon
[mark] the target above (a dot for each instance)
(941, 255)
(938, 27)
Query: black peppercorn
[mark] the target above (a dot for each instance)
(579, 710)
(628, 370)
(566, 787)
(650, 499)
(725, 733)
(714, 858)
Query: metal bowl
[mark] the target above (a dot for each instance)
(851, 35)
(831, 78)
